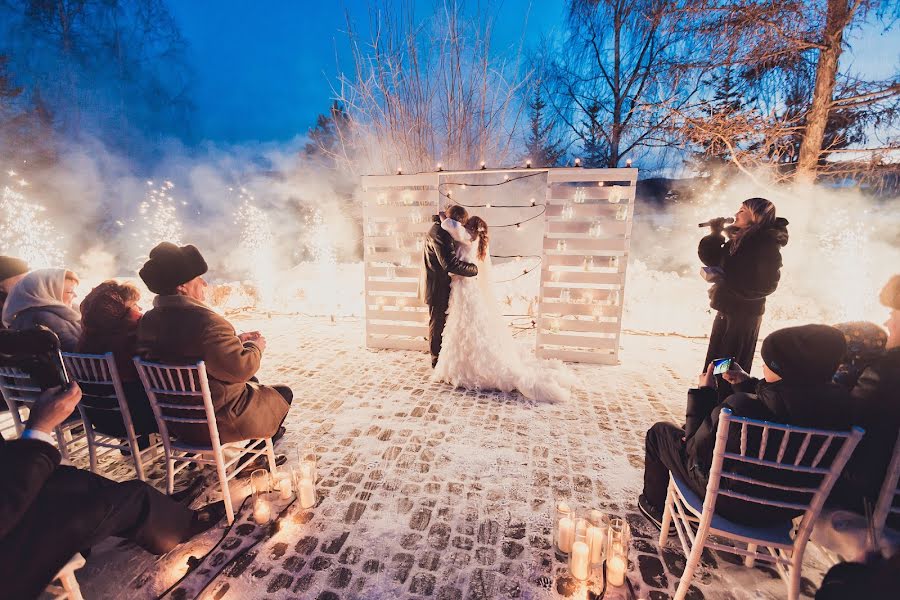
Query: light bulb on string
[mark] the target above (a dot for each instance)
(528, 163)
(399, 170)
(518, 227)
(577, 162)
(488, 205)
(628, 163)
(533, 202)
(440, 167)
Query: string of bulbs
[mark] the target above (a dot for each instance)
(506, 179)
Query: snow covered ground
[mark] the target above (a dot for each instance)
(427, 492)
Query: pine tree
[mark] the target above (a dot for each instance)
(542, 147)
(327, 138)
(594, 145)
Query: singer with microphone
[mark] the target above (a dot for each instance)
(743, 270)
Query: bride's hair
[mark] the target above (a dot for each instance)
(478, 228)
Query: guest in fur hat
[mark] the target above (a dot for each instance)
(110, 316)
(12, 271)
(182, 329)
(876, 408)
(46, 297)
(796, 389)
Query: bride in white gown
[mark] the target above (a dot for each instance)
(478, 350)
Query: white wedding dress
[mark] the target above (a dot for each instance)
(478, 351)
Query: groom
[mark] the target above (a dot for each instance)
(440, 261)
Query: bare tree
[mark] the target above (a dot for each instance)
(426, 92)
(805, 113)
(616, 79)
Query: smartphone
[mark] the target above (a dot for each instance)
(721, 365)
(35, 351)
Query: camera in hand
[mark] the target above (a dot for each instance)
(35, 351)
(721, 365)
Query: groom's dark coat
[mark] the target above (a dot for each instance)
(440, 262)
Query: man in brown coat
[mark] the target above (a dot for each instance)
(182, 329)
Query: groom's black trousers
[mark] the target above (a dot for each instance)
(437, 318)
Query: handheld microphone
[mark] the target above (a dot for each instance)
(725, 220)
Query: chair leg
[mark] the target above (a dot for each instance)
(750, 561)
(70, 585)
(226, 491)
(794, 573)
(92, 451)
(693, 561)
(667, 517)
(62, 443)
(170, 476)
(270, 452)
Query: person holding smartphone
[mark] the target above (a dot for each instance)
(744, 268)
(48, 512)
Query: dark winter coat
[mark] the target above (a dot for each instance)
(876, 408)
(61, 320)
(179, 330)
(821, 405)
(440, 262)
(750, 274)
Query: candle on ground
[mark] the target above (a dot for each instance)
(579, 564)
(566, 534)
(285, 487)
(307, 493)
(615, 571)
(262, 512)
(596, 537)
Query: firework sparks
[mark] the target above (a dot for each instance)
(26, 233)
(257, 245)
(157, 218)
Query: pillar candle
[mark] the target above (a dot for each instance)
(615, 571)
(261, 512)
(307, 493)
(596, 537)
(579, 564)
(286, 488)
(566, 534)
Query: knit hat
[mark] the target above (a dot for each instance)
(890, 295)
(170, 266)
(804, 354)
(10, 267)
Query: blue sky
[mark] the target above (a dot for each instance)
(264, 69)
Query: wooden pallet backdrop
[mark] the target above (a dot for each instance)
(586, 241)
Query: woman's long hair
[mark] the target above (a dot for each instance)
(762, 214)
(478, 228)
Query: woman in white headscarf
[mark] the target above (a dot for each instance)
(45, 297)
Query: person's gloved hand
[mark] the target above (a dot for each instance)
(717, 225)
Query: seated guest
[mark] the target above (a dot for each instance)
(865, 345)
(12, 270)
(45, 297)
(799, 363)
(110, 317)
(181, 329)
(876, 408)
(48, 512)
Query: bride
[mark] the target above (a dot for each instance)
(478, 350)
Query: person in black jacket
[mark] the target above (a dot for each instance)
(745, 269)
(49, 512)
(440, 262)
(796, 390)
(876, 408)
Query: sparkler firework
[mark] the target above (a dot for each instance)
(27, 234)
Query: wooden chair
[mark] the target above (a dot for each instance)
(20, 391)
(102, 391)
(799, 451)
(844, 535)
(180, 394)
(68, 588)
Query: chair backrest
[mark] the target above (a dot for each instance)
(17, 386)
(99, 379)
(793, 468)
(179, 394)
(890, 490)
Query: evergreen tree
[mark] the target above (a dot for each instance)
(542, 147)
(328, 138)
(594, 145)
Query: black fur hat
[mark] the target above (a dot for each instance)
(169, 266)
(804, 354)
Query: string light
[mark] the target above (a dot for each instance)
(577, 162)
(528, 163)
(483, 165)
(628, 163)
(440, 167)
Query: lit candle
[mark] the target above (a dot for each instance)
(307, 493)
(615, 571)
(579, 564)
(566, 534)
(595, 537)
(262, 512)
(285, 487)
